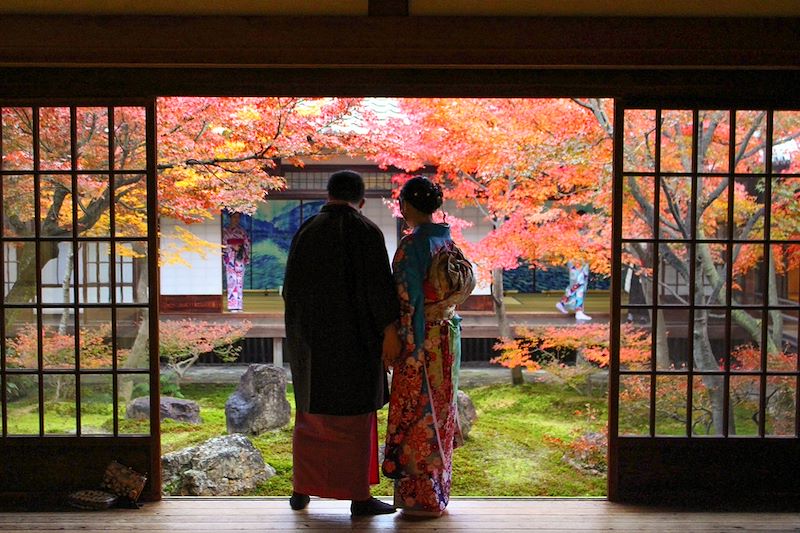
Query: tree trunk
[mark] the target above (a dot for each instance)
(65, 314)
(662, 345)
(751, 325)
(139, 354)
(24, 288)
(65, 283)
(704, 360)
(180, 367)
(775, 315)
(502, 320)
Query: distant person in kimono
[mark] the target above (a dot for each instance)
(423, 424)
(575, 292)
(341, 315)
(235, 256)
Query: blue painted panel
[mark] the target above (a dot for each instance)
(271, 229)
(554, 278)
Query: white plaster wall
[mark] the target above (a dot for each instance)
(204, 276)
(380, 214)
(479, 229)
(52, 267)
(480, 225)
(376, 211)
(54, 270)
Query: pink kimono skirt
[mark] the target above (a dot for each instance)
(335, 456)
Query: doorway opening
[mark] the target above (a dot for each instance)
(699, 334)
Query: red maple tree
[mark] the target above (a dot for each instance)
(527, 165)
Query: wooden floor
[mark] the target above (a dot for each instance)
(200, 515)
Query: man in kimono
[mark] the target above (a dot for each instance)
(341, 309)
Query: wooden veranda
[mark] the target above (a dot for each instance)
(220, 515)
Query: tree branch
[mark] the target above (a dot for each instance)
(747, 136)
(673, 207)
(713, 195)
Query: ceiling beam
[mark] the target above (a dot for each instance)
(400, 42)
(388, 8)
(753, 86)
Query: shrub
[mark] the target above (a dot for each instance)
(168, 381)
(58, 349)
(588, 450)
(547, 344)
(182, 342)
(168, 385)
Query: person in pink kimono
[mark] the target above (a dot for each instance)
(235, 255)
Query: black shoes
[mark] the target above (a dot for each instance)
(371, 507)
(299, 501)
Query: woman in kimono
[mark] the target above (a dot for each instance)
(423, 416)
(574, 294)
(235, 255)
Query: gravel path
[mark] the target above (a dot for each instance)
(472, 374)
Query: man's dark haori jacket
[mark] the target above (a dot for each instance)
(340, 295)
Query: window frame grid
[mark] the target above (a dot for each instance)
(112, 267)
(763, 372)
(762, 395)
(73, 129)
(656, 270)
(76, 307)
(3, 393)
(37, 232)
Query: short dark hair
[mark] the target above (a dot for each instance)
(346, 185)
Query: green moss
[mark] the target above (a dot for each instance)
(507, 453)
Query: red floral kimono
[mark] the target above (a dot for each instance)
(423, 416)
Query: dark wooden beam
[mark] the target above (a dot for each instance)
(388, 8)
(55, 466)
(708, 471)
(400, 42)
(759, 86)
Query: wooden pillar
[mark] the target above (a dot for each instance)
(277, 351)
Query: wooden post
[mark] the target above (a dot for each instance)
(277, 351)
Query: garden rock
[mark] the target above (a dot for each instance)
(466, 413)
(259, 403)
(597, 383)
(173, 408)
(222, 466)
